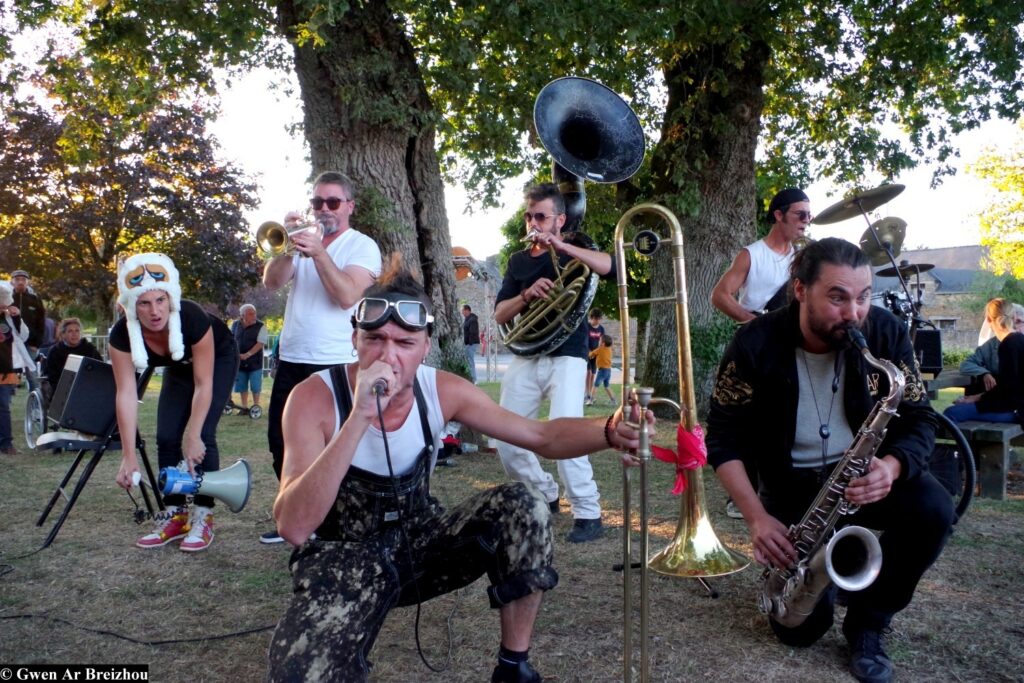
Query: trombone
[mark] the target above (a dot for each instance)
(695, 551)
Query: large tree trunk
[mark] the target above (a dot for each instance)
(368, 115)
(704, 171)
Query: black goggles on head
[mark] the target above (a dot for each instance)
(373, 312)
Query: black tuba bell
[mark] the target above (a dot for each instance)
(591, 134)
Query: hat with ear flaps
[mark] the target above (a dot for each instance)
(143, 273)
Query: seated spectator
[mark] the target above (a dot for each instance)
(983, 364)
(1004, 401)
(69, 341)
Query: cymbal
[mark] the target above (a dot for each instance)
(862, 202)
(905, 269)
(891, 231)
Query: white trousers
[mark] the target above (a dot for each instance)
(561, 379)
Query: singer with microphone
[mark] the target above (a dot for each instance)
(790, 395)
(200, 357)
(361, 441)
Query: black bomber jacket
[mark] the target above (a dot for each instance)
(754, 402)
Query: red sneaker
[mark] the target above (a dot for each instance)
(201, 535)
(170, 529)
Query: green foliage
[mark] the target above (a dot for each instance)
(377, 214)
(952, 358)
(1002, 223)
(82, 194)
(987, 286)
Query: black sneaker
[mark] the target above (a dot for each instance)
(524, 673)
(271, 537)
(584, 530)
(868, 661)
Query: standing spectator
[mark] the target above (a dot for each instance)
(33, 313)
(602, 356)
(471, 338)
(595, 332)
(11, 361)
(251, 337)
(328, 276)
(557, 375)
(69, 341)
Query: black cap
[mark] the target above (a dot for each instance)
(791, 195)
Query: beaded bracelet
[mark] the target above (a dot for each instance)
(608, 431)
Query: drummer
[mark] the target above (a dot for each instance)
(756, 281)
(759, 274)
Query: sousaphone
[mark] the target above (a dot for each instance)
(591, 134)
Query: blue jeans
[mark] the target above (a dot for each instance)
(962, 412)
(249, 380)
(6, 394)
(471, 352)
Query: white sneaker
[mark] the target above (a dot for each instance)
(732, 511)
(200, 536)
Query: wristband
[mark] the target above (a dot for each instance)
(608, 433)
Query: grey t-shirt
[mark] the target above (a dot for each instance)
(818, 406)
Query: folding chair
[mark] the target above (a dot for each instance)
(85, 443)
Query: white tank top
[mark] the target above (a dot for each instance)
(768, 272)
(406, 442)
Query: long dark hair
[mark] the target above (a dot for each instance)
(806, 266)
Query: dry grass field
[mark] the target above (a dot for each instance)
(92, 597)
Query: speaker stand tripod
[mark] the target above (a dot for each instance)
(98, 446)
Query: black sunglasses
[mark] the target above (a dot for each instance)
(540, 217)
(803, 215)
(373, 312)
(332, 202)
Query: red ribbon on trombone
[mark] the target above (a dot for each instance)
(692, 454)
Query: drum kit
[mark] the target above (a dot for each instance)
(882, 242)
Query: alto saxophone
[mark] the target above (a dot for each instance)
(789, 595)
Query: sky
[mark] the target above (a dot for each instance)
(252, 133)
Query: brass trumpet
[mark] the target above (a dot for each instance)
(274, 239)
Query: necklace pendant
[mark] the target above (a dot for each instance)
(824, 432)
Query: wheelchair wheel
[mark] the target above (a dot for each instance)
(952, 463)
(255, 412)
(35, 417)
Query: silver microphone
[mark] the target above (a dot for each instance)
(380, 386)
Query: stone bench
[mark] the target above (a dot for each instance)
(990, 442)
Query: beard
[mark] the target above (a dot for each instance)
(834, 335)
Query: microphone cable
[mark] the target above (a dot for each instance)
(378, 389)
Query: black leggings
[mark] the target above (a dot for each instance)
(174, 410)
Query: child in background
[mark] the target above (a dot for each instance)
(602, 356)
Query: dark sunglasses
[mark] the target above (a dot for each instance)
(540, 217)
(803, 215)
(332, 202)
(373, 312)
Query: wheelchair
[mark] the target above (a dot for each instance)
(37, 402)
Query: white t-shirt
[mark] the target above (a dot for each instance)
(406, 442)
(768, 272)
(316, 330)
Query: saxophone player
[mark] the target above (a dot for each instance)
(801, 393)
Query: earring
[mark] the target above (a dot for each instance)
(354, 354)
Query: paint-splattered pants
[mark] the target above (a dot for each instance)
(343, 590)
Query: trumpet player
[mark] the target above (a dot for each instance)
(560, 373)
(328, 273)
(789, 397)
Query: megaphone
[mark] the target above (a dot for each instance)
(231, 486)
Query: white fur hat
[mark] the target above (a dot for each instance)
(142, 273)
(6, 294)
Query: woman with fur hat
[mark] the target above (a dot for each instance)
(198, 352)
